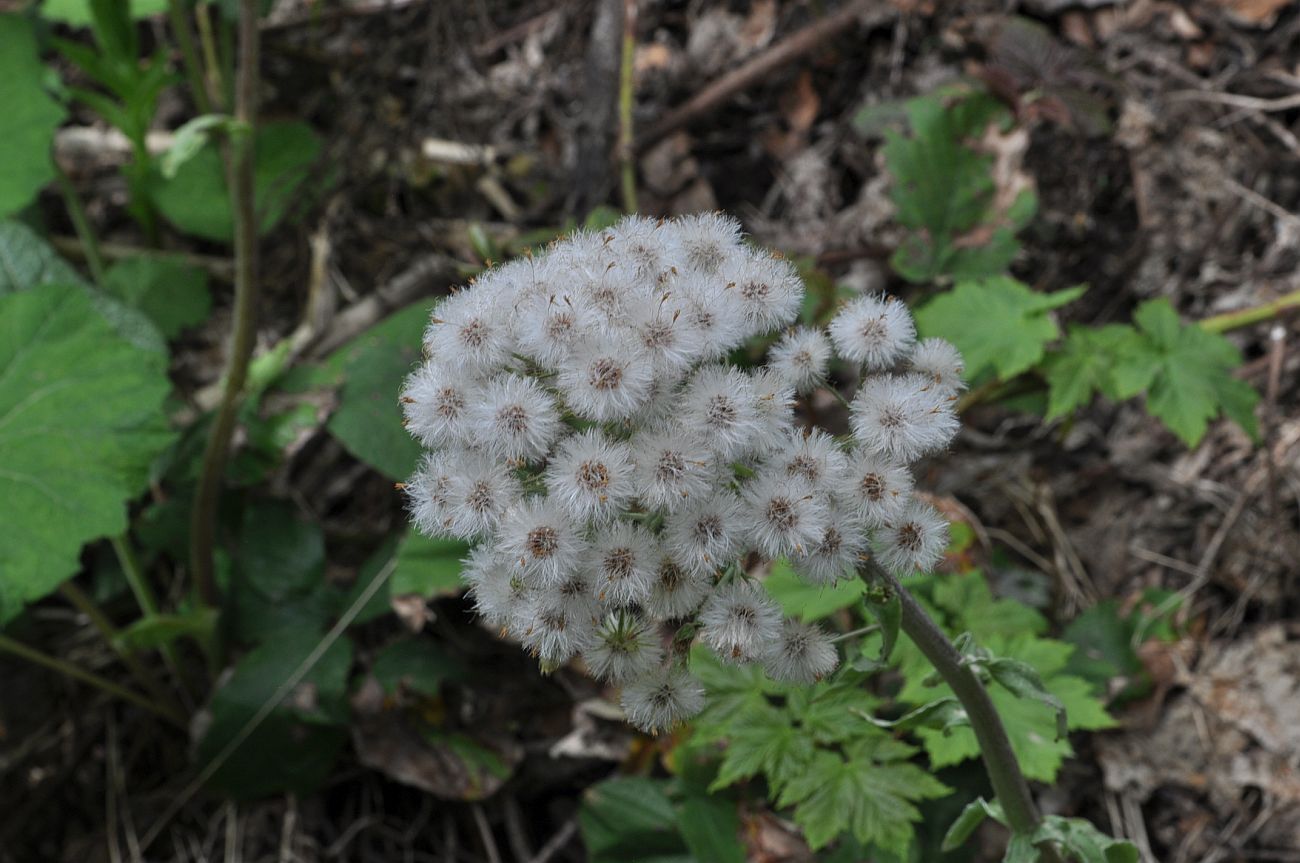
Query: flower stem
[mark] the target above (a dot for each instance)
(240, 171)
(189, 56)
(1009, 785)
(1245, 317)
(22, 651)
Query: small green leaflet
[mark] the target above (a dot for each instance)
(997, 323)
(1185, 371)
(171, 293)
(1193, 375)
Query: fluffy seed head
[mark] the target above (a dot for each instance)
(740, 621)
(913, 540)
(874, 331)
(801, 654)
(801, 358)
(662, 698)
(903, 417)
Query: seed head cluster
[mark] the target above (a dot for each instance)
(622, 482)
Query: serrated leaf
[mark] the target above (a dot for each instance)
(294, 749)
(368, 421)
(872, 799)
(29, 119)
(172, 294)
(80, 421)
(1023, 681)
(427, 567)
(1192, 380)
(996, 323)
(809, 602)
(1088, 362)
(195, 199)
(767, 742)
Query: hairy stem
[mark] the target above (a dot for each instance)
(1009, 785)
(53, 663)
(203, 524)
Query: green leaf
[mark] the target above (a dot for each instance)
(941, 715)
(77, 12)
(27, 261)
(155, 630)
(710, 825)
(29, 119)
(368, 421)
(188, 141)
(885, 607)
(767, 742)
(1022, 680)
(970, 818)
(417, 664)
(280, 552)
(1084, 842)
(196, 201)
(80, 422)
(809, 602)
(294, 749)
(174, 295)
(996, 323)
(631, 818)
(1192, 380)
(870, 794)
(1088, 362)
(427, 567)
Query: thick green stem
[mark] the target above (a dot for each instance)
(1009, 785)
(203, 525)
(53, 663)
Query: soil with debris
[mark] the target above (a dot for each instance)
(1178, 177)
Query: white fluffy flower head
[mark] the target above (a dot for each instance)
(626, 483)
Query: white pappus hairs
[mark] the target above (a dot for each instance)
(625, 483)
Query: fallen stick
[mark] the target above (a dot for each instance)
(786, 51)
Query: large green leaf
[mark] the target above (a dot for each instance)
(80, 421)
(28, 120)
(871, 793)
(368, 421)
(996, 323)
(195, 199)
(26, 260)
(172, 294)
(427, 567)
(631, 818)
(806, 601)
(294, 749)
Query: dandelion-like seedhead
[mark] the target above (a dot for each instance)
(622, 482)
